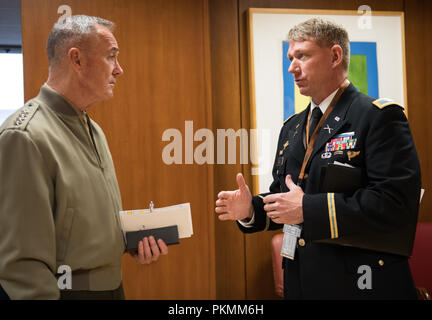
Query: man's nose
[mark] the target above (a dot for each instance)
(118, 71)
(293, 68)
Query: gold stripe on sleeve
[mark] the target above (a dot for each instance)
(332, 216)
(267, 223)
(335, 226)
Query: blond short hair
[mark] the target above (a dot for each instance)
(325, 33)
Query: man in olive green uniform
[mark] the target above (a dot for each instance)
(59, 196)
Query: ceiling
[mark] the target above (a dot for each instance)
(10, 23)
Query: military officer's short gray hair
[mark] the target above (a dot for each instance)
(71, 32)
(325, 33)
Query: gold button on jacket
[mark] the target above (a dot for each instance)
(302, 242)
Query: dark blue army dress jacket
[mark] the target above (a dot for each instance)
(344, 232)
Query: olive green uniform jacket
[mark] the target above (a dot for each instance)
(59, 201)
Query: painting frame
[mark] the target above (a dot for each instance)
(263, 29)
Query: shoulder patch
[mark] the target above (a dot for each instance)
(384, 102)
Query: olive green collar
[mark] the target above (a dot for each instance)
(56, 101)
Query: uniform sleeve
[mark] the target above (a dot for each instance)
(27, 246)
(391, 196)
(261, 221)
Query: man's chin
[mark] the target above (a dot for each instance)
(303, 91)
(109, 94)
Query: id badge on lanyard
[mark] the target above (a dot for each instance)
(291, 234)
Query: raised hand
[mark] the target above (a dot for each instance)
(237, 204)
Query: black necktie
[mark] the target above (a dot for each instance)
(315, 118)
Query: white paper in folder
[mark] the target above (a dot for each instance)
(179, 215)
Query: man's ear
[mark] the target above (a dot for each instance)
(75, 58)
(336, 55)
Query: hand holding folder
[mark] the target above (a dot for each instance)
(167, 223)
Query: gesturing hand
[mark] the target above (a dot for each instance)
(285, 207)
(237, 204)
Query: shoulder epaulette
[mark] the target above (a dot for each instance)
(23, 117)
(289, 118)
(384, 102)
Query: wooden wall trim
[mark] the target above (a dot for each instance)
(418, 17)
(230, 249)
(210, 168)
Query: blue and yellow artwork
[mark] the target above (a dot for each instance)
(363, 74)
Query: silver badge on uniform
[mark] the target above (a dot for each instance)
(329, 129)
(326, 155)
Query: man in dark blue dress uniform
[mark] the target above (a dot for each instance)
(346, 182)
